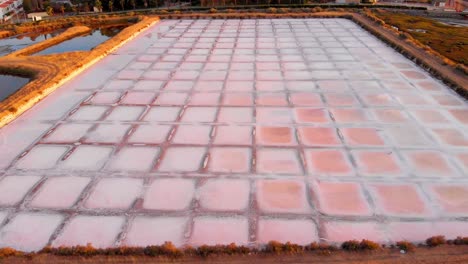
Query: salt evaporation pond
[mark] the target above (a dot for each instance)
(18, 42)
(84, 42)
(10, 84)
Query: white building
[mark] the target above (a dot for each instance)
(37, 16)
(8, 8)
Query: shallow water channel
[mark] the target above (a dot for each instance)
(10, 84)
(84, 42)
(22, 41)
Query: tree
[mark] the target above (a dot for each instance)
(153, 3)
(27, 5)
(62, 9)
(35, 5)
(122, 4)
(111, 5)
(50, 11)
(86, 7)
(98, 5)
(40, 4)
(132, 3)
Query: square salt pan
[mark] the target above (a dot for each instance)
(114, 193)
(199, 114)
(87, 158)
(42, 157)
(193, 158)
(169, 194)
(60, 192)
(101, 230)
(134, 159)
(89, 113)
(68, 133)
(159, 113)
(146, 231)
(107, 133)
(224, 195)
(37, 228)
(188, 134)
(14, 188)
(150, 134)
(214, 231)
(125, 113)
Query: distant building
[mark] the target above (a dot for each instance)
(37, 16)
(9, 8)
(439, 3)
(457, 5)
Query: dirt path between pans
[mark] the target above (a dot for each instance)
(442, 254)
(457, 79)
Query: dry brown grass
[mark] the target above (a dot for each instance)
(4, 34)
(449, 41)
(439, 66)
(350, 250)
(66, 22)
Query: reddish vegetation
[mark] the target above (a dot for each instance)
(4, 34)
(406, 246)
(277, 248)
(436, 241)
(354, 245)
(230, 249)
(273, 247)
(8, 252)
(460, 241)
